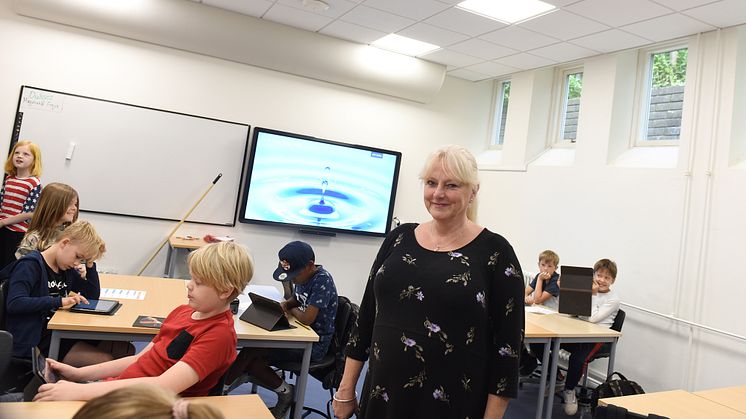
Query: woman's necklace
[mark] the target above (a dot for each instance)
(445, 245)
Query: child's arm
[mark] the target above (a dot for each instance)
(100, 371)
(606, 309)
(15, 219)
(178, 378)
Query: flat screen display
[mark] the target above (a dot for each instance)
(319, 184)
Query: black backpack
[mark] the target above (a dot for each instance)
(615, 388)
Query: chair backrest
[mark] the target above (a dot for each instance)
(3, 294)
(619, 320)
(347, 313)
(6, 351)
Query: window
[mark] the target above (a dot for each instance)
(501, 112)
(664, 83)
(572, 89)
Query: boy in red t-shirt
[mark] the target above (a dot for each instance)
(193, 349)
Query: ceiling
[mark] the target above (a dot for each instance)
(476, 48)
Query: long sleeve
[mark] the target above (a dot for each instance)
(606, 307)
(507, 317)
(358, 347)
(24, 281)
(90, 287)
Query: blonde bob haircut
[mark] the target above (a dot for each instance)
(10, 169)
(459, 164)
(144, 401)
(222, 266)
(82, 234)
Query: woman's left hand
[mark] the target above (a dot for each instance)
(61, 390)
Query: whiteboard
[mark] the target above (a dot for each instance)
(133, 160)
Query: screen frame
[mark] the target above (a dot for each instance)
(309, 228)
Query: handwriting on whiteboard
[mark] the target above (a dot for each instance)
(45, 101)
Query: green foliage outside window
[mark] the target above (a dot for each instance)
(669, 68)
(574, 85)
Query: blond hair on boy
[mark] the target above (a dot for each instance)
(82, 234)
(549, 256)
(222, 266)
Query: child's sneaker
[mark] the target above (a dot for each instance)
(571, 402)
(284, 401)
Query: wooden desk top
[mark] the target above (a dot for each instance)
(733, 397)
(243, 406)
(569, 327)
(533, 330)
(182, 243)
(676, 404)
(163, 295)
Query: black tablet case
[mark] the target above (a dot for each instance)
(576, 290)
(265, 313)
(106, 313)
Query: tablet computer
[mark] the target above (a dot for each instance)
(39, 366)
(97, 307)
(265, 313)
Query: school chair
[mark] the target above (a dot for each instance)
(329, 369)
(603, 350)
(15, 371)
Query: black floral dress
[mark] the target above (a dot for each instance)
(442, 330)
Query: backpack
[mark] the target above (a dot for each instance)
(615, 388)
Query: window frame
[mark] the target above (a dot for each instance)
(562, 88)
(644, 87)
(497, 109)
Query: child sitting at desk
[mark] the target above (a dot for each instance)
(195, 345)
(313, 303)
(38, 284)
(604, 307)
(544, 288)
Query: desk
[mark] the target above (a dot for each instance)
(163, 295)
(242, 406)
(676, 404)
(537, 334)
(570, 330)
(174, 244)
(733, 397)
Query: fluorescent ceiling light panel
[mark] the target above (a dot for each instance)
(404, 45)
(507, 11)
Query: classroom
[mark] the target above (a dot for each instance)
(669, 214)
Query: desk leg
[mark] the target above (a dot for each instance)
(553, 376)
(54, 346)
(300, 383)
(543, 379)
(612, 356)
(170, 263)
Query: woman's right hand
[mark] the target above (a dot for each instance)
(344, 410)
(65, 371)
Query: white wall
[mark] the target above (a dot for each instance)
(676, 231)
(671, 218)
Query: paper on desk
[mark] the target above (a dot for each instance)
(539, 310)
(117, 293)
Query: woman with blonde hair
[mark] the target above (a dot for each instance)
(145, 402)
(442, 315)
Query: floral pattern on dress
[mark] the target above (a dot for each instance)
(411, 343)
(418, 380)
(460, 256)
(412, 291)
(409, 259)
(466, 382)
(379, 393)
(462, 278)
(433, 328)
(470, 335)
(440, 394)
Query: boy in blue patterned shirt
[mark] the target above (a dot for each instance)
(313, 302)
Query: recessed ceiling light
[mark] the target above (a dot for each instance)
(404, 45)
(507, 11)
(316, 5)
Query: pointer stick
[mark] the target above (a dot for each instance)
(160, 246)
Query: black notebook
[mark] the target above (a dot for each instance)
(149, 321)
(265, 313)
(576, 290)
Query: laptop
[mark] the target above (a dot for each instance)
(265, 313)
(576, 290)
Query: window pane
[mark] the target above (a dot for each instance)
(501, 113)
(665, 95)
(571, 110)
